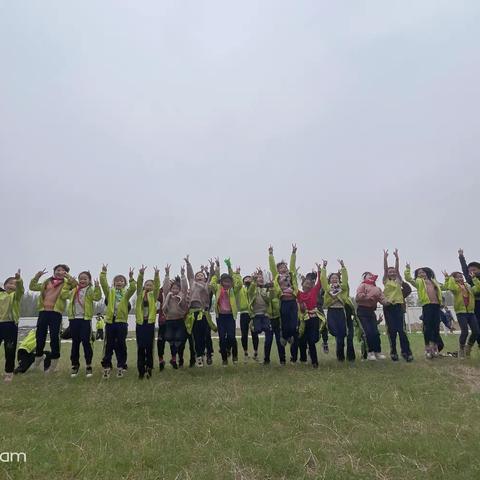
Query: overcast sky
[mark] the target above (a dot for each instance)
(138, 132)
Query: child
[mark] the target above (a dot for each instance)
(394, 311)
(116, 320)
(54, 292)
(259, 298)
(10, 297)
(286, 283)
(26, 353)
(335, 299)
(430, 297)
(471, 271)
(80, 313)
(367, 298)
(161, 331)
(243, 308)
(175, 307)
(99, 327)
(225, 289)
(464, 305)
(197, 318)
(145, 313)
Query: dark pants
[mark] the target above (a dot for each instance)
(261, 323)
(244, 328)
(337, 324)
(324, 334)
(275, 322)
(115, 341)
(368, 319)
(468, 320)
(311, 336)
(26, 360)
(199, 332)
(431, 323)
(8, 335)
(349, 313)
(99, 334)
(81, 331)
(289, 318)
(175, 334)
(145, 334)
(161, 340)
(226, 333)
(48, 321)
(395, 322)
(191, 346)
(209, 343)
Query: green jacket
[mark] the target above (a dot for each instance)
(59, 307)
(419, 284)
(292, 268)
(343, 296)
(93, 294)
(458, 303)
(268, 296)
(243, 304)
(29, 343)
(10, 303)
(151, 299)
(100, 325)
(110, 293)
(232, 293)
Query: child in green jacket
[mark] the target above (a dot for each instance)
(10, 297)
(116, 320)
(26, 353)
(464, 305)
(80, 313)
(54, 293)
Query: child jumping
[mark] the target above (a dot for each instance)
(245, 319)
(395, 310)
(116, 320)
(10, 296)
(80, 313)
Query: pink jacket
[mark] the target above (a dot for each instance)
(369, 295)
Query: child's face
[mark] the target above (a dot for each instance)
(334, 279)
(392, 274)
(307, 285)
(473, 271)
(247, 281)
(200, 277)
(283, 269)
(458, 277)
(422, 274)
(59, 272)
(175, 289)
(260, 280)
(148, 286)
(119, 282)
(10, 286)
(83, 280)
(226, 283)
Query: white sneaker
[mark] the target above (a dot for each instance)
(8, 377)
(380, 356)
(371, 356)
(106, 373)
(119, 372)
(199, 362)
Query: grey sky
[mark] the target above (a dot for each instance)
(136, 132)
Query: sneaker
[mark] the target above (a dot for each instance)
(173, 363)
(468, 350)
(325, 348)
(315, 365)
(283, 363)
(380, 356)
(106, 373)
(119, 372)
(283, 342)
(74, 371)
(255, 356)
(371, 356)
(181, 362)
(8, 377)
(209, 360)
(409, 358)
(225, 363)
(199, 362)
(235, 360)
(394, 357)
(266, 362)
(428, 355)
(245, 357)
(461, 353)
(162, 365)
(89, 372)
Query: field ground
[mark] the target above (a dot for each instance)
(377, 420)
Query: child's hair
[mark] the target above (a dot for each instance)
(279, 264)
(337, 274)
(7, 280)
(225, 276)
(87, 273)
(246, 276)
(176, 281)
(311, 276)
(120, 276)
(454, 274)
(474, 264)
(62, 265)
(428, 271)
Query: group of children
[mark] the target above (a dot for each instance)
(280, 304)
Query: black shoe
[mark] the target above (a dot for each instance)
(173, 363)
(394, 357)
(224, 363)
(88, 372)
(409, 358)
(162, 365)
(74, 371)
(266, 362)
(209, 360)
(315, 365)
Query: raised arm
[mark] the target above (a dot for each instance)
(156, 282)
(183, 284)
(293, 260)
(132, 286)
(19, 288)
(97, 292)
(141, 273)
(385, 265)
(408, 276)
(190, 274)
(463, 264)
(166, 282)
(271, 262)
(104, 281)
(35, 285)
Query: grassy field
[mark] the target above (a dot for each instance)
(380, 420)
